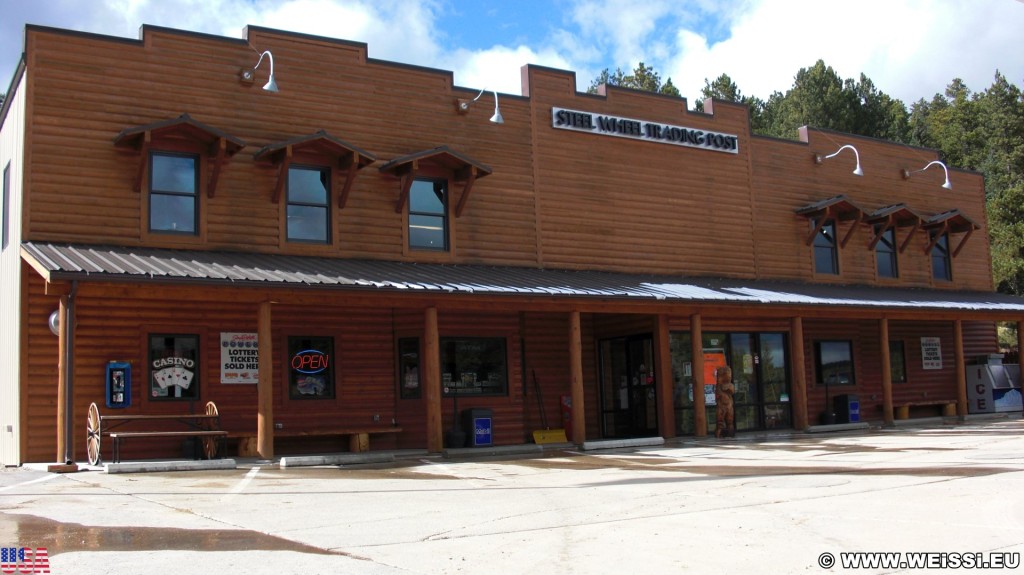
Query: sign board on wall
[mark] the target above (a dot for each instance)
(239, 358)
(931, 353)
(618, 126)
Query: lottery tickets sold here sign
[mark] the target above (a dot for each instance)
(239, 358)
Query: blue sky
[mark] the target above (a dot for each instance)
(909, 48)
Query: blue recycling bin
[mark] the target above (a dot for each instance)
(847, 408)
(478, 424)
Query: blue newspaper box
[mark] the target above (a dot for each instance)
(477, 423)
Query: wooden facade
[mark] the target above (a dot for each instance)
(525, 198)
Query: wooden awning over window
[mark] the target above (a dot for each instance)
(893, 217)
(343, 155)
(949, 222)
(182, 132)
(459, 167)
(838, 208)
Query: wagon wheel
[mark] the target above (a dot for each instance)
(210, 443)
(92, 436)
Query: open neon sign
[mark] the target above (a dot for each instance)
(310, 361)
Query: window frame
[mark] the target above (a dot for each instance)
(153, 381)
(444, 215)
(194, 196)
(326, 174)
(940, 252)
(886, 247)
(828, 232)
(819, 368)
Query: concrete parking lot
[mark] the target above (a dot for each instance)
(755, 504)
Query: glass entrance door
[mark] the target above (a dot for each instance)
(629, 405)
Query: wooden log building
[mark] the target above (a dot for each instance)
(368, 248)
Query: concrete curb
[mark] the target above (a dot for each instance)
(838, 427)
(620, 443)
(338, 459)
(160, 466)
(470, 452)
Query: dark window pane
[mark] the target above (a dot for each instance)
(307, 223)
(941, 265)
(835, 362)
(171, 213)
(897, 362)
(825, 256)
(308, 186)
(173, 174)
(427, 197)
(427, 232)
(473, 366)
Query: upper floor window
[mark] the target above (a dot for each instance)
(428, 214)
(309, 204)
(173, 193)
(942, 267)
(885, 255)
(826, 253)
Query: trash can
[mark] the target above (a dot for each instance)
(477, 423)
(847, 408)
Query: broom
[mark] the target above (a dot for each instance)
(547, 435)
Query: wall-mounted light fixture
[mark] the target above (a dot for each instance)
(907, 173)
(462, 106)
(856, 171)
(248, 75)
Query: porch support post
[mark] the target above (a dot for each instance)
(883, 349)
(961, 367)
(700, 417)
(432, 380)
(1020, 342)
(663, 361)
(265, 384)
(579, 423)
(62, 381)
(796, 344)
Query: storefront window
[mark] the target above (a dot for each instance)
(834, 362)
(409, 368)
(473, 366)
(897, 362)
(174, 366)
(311, 367)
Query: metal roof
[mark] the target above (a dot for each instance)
(138, 264)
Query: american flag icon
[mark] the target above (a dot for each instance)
(13, 562)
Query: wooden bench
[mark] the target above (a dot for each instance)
(203, 426)
(359, 437)
(902, 410)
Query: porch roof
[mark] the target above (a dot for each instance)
(66, 262)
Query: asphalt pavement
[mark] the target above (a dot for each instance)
(922, 498)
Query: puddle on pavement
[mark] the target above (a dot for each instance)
(58, 537)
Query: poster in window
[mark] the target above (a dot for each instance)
(931, 353)
(713, 359)
(174, 366)
(239, 358)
